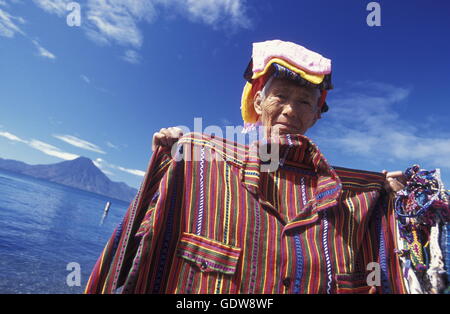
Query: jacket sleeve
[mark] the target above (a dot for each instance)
(111, 268)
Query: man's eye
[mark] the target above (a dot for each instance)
(303, 103)
(281, 96)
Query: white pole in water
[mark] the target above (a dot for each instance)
(105, 212)
(108, 204)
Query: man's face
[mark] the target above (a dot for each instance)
(287, 108)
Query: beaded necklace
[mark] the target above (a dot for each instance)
(421, 205)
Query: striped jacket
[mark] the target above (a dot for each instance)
(209, 221)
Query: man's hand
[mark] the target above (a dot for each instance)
(395, 181)
(166, 137)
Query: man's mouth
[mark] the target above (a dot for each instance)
(288, 126)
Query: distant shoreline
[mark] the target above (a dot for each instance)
(63, 185)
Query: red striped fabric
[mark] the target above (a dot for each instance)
(212, 222)
(209, 255)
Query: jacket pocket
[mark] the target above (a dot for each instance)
(208, 255)
(354, 283)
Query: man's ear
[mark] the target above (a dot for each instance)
(317, 117)
(257, 100)
(314, 121)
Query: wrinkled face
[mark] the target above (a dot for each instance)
(287, 108)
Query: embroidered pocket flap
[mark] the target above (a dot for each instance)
(209, 255)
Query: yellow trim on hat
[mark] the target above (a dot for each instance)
(248, 112)
(313, 78)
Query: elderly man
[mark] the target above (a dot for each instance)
(217, 223)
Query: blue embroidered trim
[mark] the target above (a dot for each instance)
(202, 193)
(382, 253)
(445, 246)
(299, 268)
(117, 237)
(155, 196)
(200, 214)
(326, 193)
(327, 253)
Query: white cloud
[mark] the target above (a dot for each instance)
(12, 137)
(88, 80)
(98, 163)
(8, 27)
(85, 78)
(108, 172)
(135, 172)
(118, 21)
(213, 12)
(111, 145)
(51, 150)
(57, 7)
(132, 57)
(41, 146)
(54, 121)
(366, 124)
(77, 142)
(42, 51)
(102, 164)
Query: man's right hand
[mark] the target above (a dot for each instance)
(166, 137)
(395, 181)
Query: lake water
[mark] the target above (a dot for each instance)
(45, 226)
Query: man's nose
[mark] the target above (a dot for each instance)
(288, 109)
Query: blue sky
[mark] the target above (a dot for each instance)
(134, 66)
